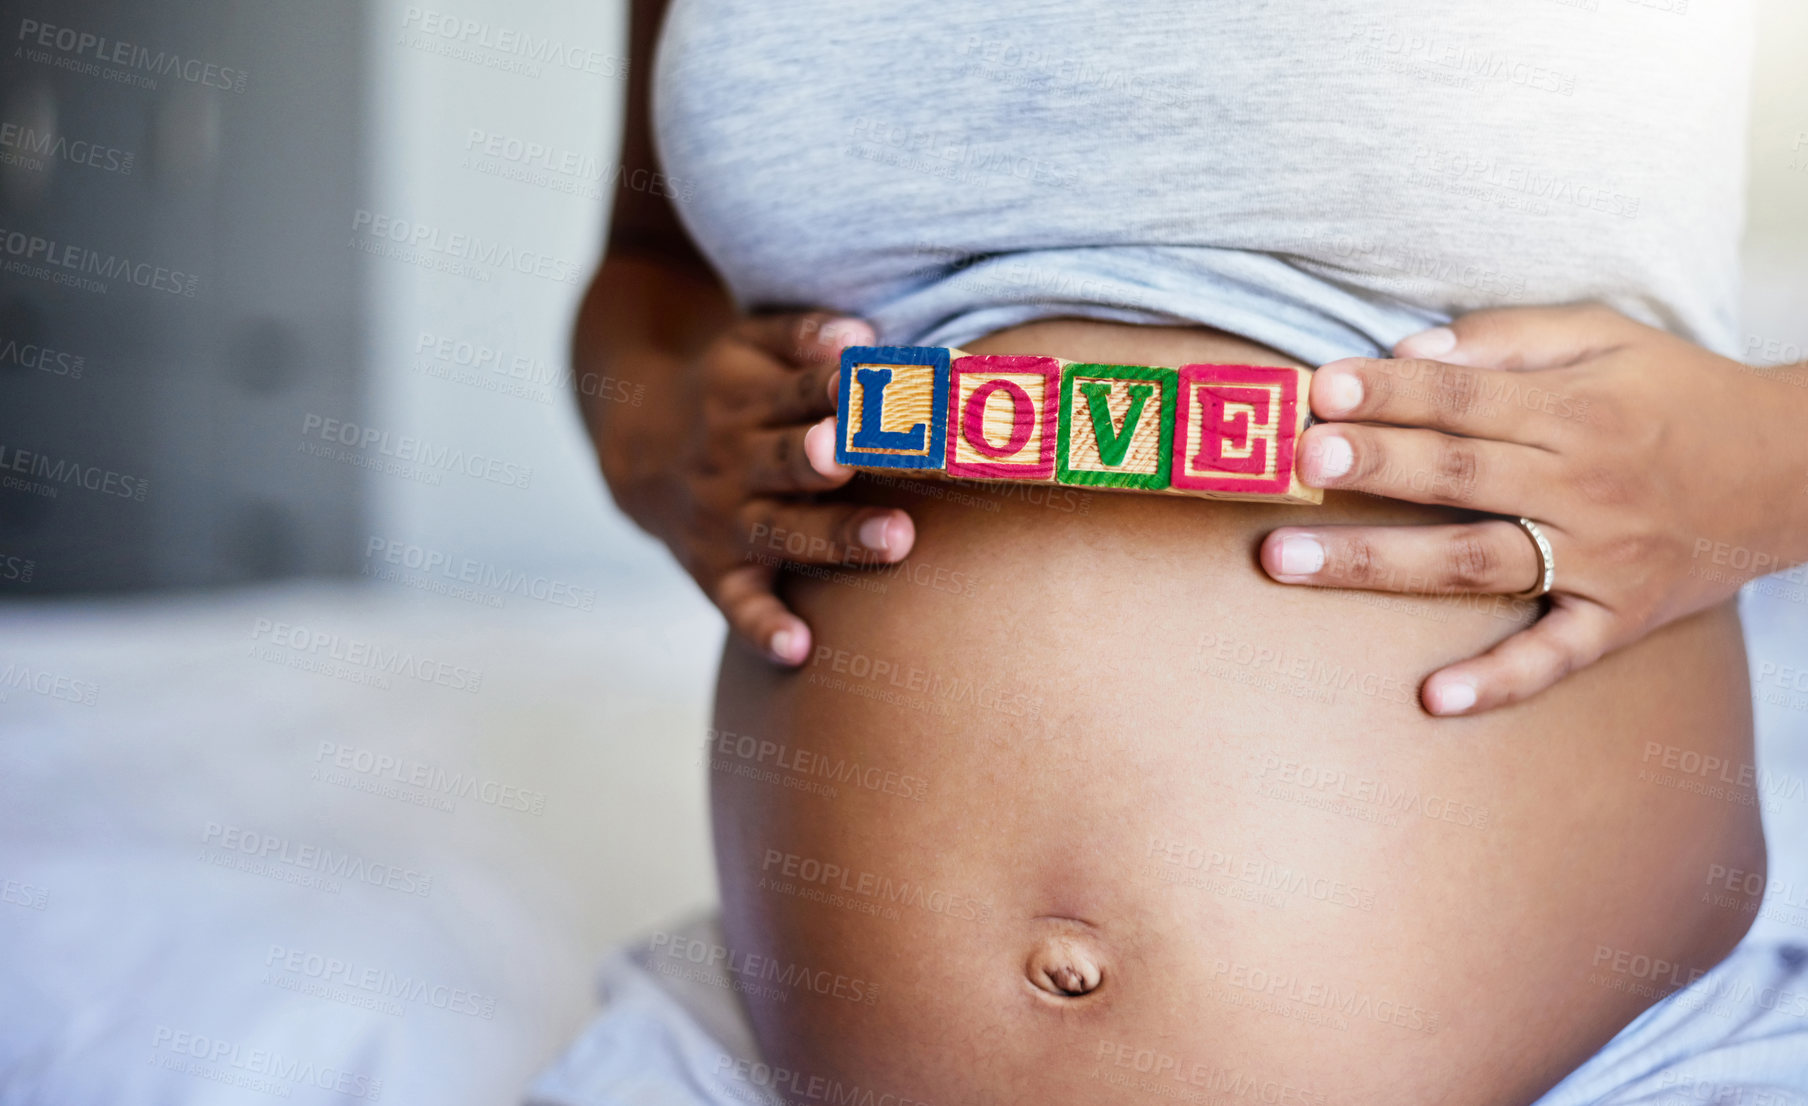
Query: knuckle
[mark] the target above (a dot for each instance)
(1602, 413)
(729, 401)
(716, 456)
(1358, 563)
(1457, 391)
(1548, 660)
(753, 519)
(1630, 550)
(1471, 562)
(801, 335)
(1604, 486)
(807, 392)
(847, 530)
(1456, 468)
(794, 459)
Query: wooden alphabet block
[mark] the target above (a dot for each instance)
(893, 407)
(1117, 426)
(1004, 418)
(1237, 429)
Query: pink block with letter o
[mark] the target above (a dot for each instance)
(1003, 417)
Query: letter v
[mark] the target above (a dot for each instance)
(1113, 444)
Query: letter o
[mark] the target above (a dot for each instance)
(973, 418)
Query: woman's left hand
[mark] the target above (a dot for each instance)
(1663, 476)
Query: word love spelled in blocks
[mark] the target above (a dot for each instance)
(1218, 431)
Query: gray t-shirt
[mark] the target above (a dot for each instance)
(1322, 176)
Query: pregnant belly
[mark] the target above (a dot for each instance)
(1077, 806)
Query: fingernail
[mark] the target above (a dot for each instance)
(1435, 342)
(787, 646)
(819, 447)
(1301, 555)
(1343, 393)
(1330, 457)
(1452, 696)
(876, 533)
(842, 333)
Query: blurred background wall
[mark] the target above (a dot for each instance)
(359, 212)
(281, 273)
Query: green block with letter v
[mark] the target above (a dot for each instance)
(1117, 426)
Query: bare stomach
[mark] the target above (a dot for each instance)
(1078, 806)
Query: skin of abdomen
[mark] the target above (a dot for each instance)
(1087, 722)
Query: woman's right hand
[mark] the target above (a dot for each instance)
(732, 492)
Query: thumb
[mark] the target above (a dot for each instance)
(1520, 338)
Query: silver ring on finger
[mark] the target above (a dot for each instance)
(1547, 562)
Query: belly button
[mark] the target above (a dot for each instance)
(1064, 967)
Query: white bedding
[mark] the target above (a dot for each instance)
(456, 954)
